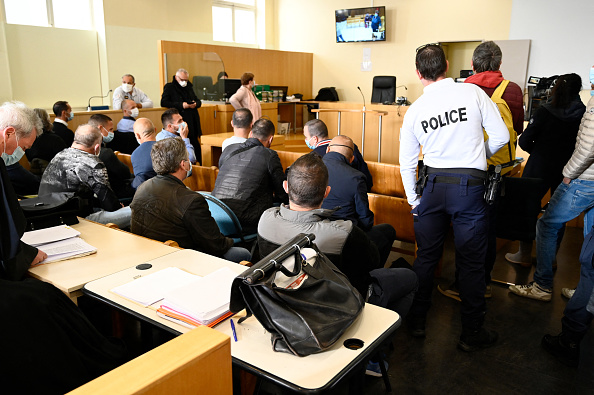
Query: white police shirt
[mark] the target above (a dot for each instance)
(448, 121)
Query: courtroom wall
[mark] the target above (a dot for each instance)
(410, 24)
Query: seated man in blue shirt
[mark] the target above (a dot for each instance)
(174, 126)
(145, 133)
(130, 110)
(349, 193)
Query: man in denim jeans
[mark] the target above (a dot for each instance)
(578, 314)
(573, 196)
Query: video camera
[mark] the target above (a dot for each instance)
(544, 86)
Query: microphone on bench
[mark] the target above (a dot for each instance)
(362, 97)
(93, 97)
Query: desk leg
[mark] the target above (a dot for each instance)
(338, 123)
(294, 118)
(379, 138)
(363, 136)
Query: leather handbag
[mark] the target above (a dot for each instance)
(53, 209)
(299, 296)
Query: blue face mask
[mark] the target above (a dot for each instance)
(108, 138)
(13, 158)
(70, 116)
(189, 172)
(310, 146)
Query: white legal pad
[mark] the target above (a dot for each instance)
(204, 299)
(153, 287)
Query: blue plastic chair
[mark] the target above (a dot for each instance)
(227, 220)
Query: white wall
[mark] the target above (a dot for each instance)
(562, 34)
(308, 26)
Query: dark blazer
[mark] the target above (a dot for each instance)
(123, 142)
(347, 190)
(119, 175)
(66, 134)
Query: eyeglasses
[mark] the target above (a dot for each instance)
(422, 47)
(341, 145)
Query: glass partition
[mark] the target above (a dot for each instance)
(206, 72)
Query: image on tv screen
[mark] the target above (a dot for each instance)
(361, 24)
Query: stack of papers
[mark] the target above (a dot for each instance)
(186, 299)
(59, 243)
(202, 301)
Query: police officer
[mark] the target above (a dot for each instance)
(448, 121)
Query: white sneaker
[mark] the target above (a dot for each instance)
(532, 291)
(567, 292)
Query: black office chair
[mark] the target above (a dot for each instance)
(384, 89)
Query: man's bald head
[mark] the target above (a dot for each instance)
(87, 136)
(127, 104)
(343, 145)
(144, 130)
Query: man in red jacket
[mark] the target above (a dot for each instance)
(486, 61)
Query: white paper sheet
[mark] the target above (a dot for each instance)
(149, 289)
(48, 235)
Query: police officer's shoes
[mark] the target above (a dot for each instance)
(477, 340)
(532, 291)
(561, 347)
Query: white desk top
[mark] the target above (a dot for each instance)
(253, 349)
(116, 250)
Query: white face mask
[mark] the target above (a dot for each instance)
(134, 112)
(183, 83)
(13, 158)
(109, 137)
(127, 87)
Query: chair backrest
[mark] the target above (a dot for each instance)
(203, 178)
(224, 217)
(287, 158)
(125, 159)
(327, 94)
(384, 89)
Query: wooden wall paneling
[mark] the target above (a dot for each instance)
(271, 67)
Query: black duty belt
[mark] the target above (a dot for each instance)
(458, 170)
(456, 180)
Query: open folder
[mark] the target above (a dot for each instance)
(59, 243)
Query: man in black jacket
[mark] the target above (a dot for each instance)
(251, 176)
(165, 209)
(63, 113)
(179, 94)
(118, 173)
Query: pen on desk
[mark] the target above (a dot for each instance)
(233, 329)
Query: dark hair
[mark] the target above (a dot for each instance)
(308, 179)
(99, 119)
(59, 107)
(486, 57)
(222, 74)
(317, 127)
(566, 89)
(167, 154)
(246, 77)
(167, 116)
(431, 62)
(262, 129)
(242, 118)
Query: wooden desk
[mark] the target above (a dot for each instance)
(253, 351)
(116, 250)
(211, 146)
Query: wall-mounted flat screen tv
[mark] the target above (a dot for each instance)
(361, 24)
